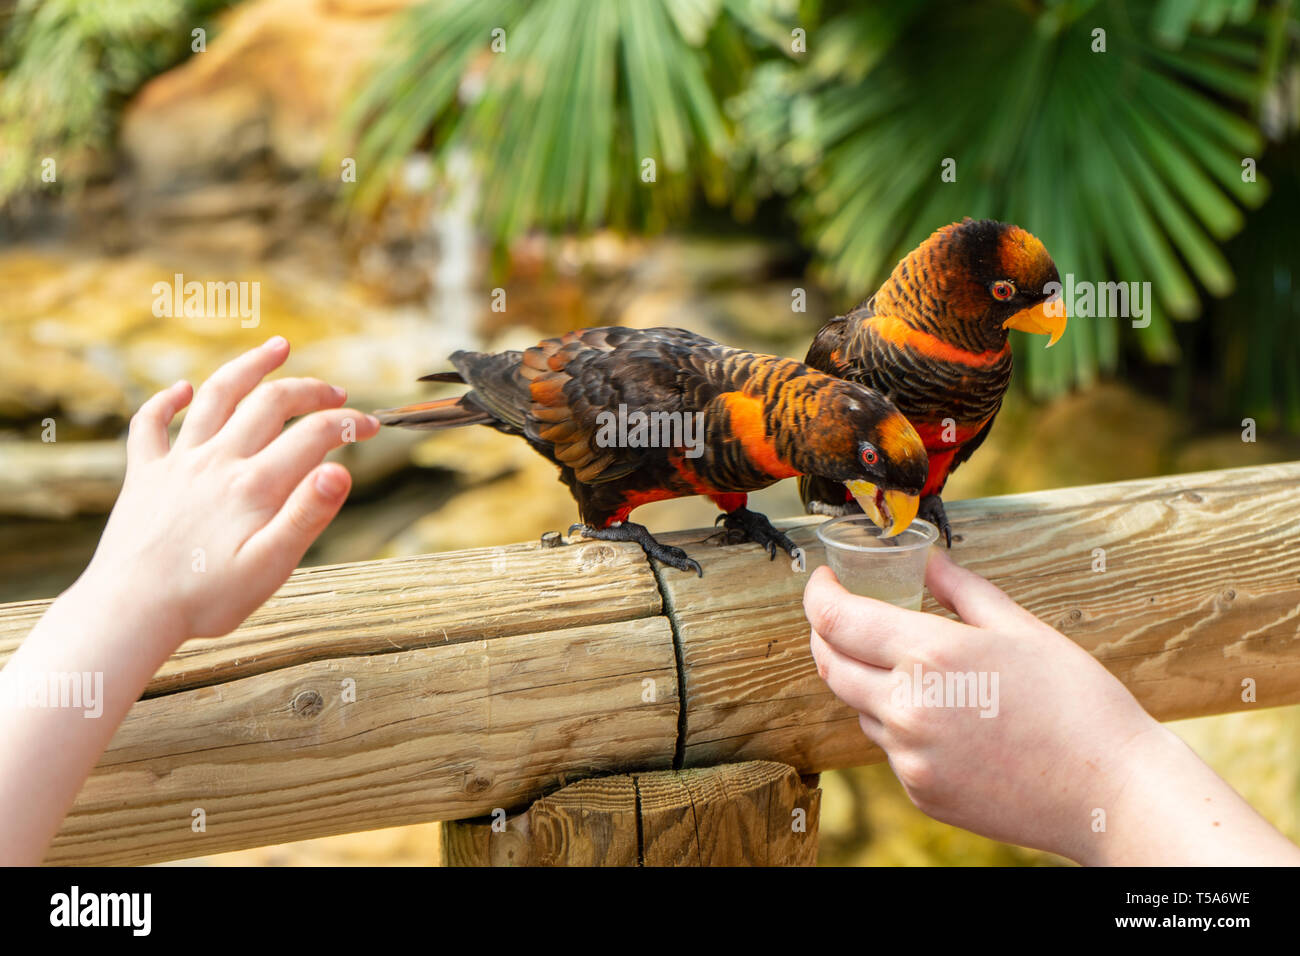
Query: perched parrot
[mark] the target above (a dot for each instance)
(724, 422)
(933, 339)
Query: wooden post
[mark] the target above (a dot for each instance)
(449, 686)
(758, 813)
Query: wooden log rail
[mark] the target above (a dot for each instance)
(448, 686)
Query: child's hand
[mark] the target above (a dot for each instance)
(208, 529)
(1070, 762)
(202, 533)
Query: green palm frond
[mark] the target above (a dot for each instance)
(1256, 345)
(66, 66)
(566, 117)
(1126, 163)
(1174, 20)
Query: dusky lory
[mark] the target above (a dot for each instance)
(760, 419)
(934, 340)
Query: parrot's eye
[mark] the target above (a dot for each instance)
(869, 455)
(1002, 289)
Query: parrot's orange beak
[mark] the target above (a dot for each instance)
(893, 511)
(1045, 318)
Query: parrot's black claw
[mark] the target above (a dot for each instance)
(628, 531)
(931, 510)
(755, 527)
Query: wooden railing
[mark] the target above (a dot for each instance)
(450, 686)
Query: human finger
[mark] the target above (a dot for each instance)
(216, 398)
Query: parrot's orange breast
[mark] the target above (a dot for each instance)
(942, 441)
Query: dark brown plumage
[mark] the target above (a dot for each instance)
(760, 419)
(934, 340)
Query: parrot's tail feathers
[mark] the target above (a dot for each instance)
(443, 413)
(442, 377)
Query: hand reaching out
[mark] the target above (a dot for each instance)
(203, 532)
(211, 526)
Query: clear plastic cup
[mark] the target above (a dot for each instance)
(869, 564)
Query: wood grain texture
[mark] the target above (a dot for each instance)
(589, 823)
(454, 730)
(373, 607)
(748, 814)
(1201, 591)
(758, 813)
(751, 688)
(488, 678)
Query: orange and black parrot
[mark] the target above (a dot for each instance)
(933, 339)
(723, 422)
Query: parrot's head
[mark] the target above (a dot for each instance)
(858, 437)
(972, 281)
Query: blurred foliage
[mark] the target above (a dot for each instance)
(66, 67)
(1123, 162)
(1256, 346)
(566, 108)
(1127, 162)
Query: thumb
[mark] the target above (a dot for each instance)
(308, 511)
(976, 600)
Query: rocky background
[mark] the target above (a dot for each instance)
(220, 177)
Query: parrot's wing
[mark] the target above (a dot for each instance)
(582, 385)
(917, 372)
(856, 347)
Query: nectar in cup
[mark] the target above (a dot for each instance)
(867, 564)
